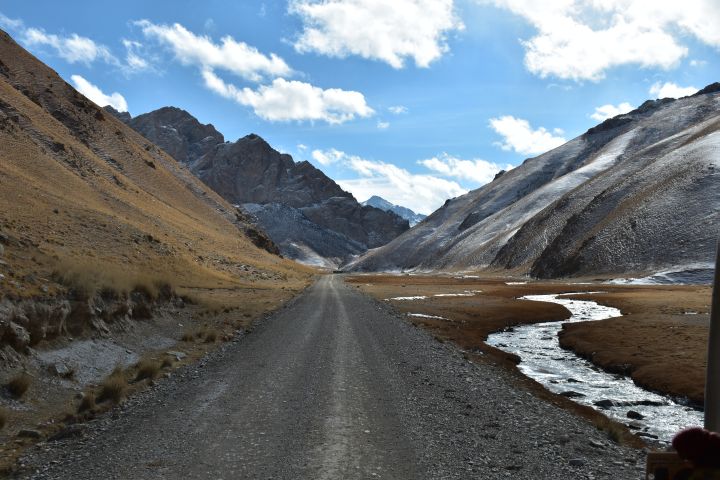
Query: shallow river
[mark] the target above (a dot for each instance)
(561, 371)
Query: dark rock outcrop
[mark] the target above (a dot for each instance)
(250, 171)
(177, 132)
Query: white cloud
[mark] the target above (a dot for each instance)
(236, 57)
(133, 58)
(421, 193)
(383, 125)
(522, 138)
(328, 157)
(698, 63)
(10, 23)
(671, 90)
(604, 112)
(73, 48)
(398, 109)
(377, 29)
(285, 100)
(94, 93)
(302, 147)
(476, 170)
(582, 39)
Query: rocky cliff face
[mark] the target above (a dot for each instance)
(250, 171)
(637, 194)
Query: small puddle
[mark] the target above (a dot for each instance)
(654, 416)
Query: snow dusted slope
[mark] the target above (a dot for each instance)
(637, 193)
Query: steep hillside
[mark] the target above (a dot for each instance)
(637, 194)
(83, 192)
(404, 212)
(250, 171)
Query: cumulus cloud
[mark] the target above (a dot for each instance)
(477, 170)
(285, 100)
(604, 112)
(94, 93)
(328, 157)
(10, 23)
(582, 39)
(134, 59)
(75, 48)
(520, 137)
(72, 48)
(383, 125)
(236, 57)
(419, 192)
(398, 109)
(671, 90)
(390, 32)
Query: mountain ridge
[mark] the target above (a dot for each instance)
(249, 171)
(528, 220)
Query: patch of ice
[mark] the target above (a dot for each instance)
(422, 315)
(417, 297)
(516, 283)
(466, 293)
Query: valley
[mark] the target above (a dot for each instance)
(174, 304)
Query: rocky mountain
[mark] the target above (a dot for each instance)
(84, 197)
(637, 194)
(250, 171)
(404, 212)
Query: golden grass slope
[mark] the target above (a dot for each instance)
(79, 188)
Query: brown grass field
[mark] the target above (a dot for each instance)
(655, 342)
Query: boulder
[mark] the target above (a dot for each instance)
(16, 336)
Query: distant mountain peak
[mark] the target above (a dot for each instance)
(403, 212)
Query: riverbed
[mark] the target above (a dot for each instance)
(651, 415)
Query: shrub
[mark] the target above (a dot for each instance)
(3, 418)
(87, 402)
(166, 363)
(210, 336)
(18, 385)
(113, 387)
(187, 336)
(87, 278)
(147, 368)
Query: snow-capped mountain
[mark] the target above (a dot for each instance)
(638, 193)
(404, 212)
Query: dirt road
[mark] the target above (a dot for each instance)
(335, 386)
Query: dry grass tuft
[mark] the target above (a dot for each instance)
(167, 363)
(113, 387)
(147, 368)
(188, 336)
(211, 336)
(18, 385)
(89, 278)
(87, 403)
(3, 418)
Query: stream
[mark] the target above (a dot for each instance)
(650, 415)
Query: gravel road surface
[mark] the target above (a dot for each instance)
(335, 386)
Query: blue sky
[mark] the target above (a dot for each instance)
(413, 100)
